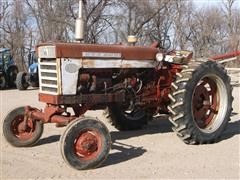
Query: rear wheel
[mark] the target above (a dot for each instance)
(21, 81)
(85, 144)
(15, 135)
(2, 82)
(123, 119)
(201, 102)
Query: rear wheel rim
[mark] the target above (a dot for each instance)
(209, 103)
(88, 144)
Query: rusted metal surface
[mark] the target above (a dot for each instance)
(51, 114)
(60, 119)
(226, 56)
(94, 76)
(82, 99)
(76, 50)
(102, 63)
(49, 111)
(153, 95)
(205, 103)
(22, 130)
(88, 144)
(80, 110)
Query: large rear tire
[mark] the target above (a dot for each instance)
(85, 144)
(21, 81)
(127, 120)
(201, 102)
(17, 138)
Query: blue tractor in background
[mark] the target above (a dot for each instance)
(8, 69)
(24, 79)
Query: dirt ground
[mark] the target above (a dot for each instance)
(152, 153)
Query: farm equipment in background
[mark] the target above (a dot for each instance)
(231, 61)
(8, 69)
(24, 79)
(134, 82)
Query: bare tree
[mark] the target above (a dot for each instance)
(232, 20)
(51, 17)
(206, 31)
(14, 28)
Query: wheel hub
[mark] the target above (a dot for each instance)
(205, 102)
(20, 129)
(87, 144)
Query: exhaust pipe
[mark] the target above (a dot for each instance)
(79, 26)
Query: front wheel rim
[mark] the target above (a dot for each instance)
(209, 103)
(88, 144)
(22, 135)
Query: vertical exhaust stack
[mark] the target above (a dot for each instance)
(79, 26)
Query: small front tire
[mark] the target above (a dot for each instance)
(85, 144)
(18, 138)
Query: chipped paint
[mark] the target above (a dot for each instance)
(101, 55)
(117, 63)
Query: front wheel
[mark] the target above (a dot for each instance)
(85, 144)
(13, 133)
(201, 102)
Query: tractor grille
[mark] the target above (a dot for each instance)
(49, 76)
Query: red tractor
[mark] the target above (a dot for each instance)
(135, 83)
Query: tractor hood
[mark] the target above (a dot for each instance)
(77, 50)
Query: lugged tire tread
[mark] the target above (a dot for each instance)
(185, 130)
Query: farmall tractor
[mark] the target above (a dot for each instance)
(135, 83)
